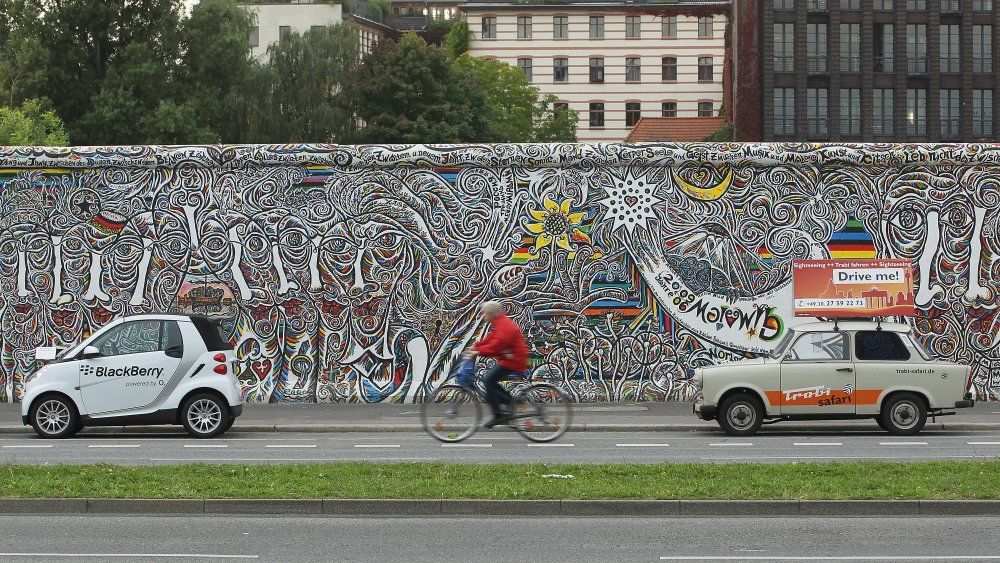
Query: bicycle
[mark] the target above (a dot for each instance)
(539, 411)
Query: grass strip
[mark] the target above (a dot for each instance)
(832, 481)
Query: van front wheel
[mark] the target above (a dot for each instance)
(741, 415)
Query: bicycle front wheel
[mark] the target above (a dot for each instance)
(451, 413)
(541, 412)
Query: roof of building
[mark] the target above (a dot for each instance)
(678, 129)
(521, 4)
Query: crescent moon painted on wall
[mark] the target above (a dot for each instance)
(705, 194)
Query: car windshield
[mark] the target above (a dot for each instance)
(780, 350)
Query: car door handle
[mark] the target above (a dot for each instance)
(846, 369)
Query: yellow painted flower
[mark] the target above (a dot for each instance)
(556, 223)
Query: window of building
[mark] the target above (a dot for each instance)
(982, 113)
(669, 69)
(916, 49)
(315, 28)
(705, 69)
(916, 4)
(982, 48)
(883, 4)
(949, 114)
(982, 5)
(524, 27)
(850, 111)
(784, 47)
(633, 26)
(597, 69)
(668, 109)
(784, 4)
(882, 102)
(850, 4)
(950, 6)
(560, 106)
(706, 109)
(916, 111)
(596, 114)
(525, 66)
(816, 5)
(880, 345)
(597, 27)
(560, 27)
(816, 112)
(950, 56)
(668, 27)
(883, 47)
(850, 47)
(816, 47)
(560, 70)
(255, 36)
(633, 69)
(633, 111)
(283, 32)
(489, 27)
(784, 111)
(705, 25)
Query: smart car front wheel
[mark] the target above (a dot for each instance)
(205, 416)
(54, 416)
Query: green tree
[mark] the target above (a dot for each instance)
(513, 108)
(409, 92)
(457, 40)
(23, 68)
(32, 124)
(302, 92)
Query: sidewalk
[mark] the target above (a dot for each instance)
(596, 417)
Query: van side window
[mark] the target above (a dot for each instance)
(136, 337)
(880, 346)
(820, 346)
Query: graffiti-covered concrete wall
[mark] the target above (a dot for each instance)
(353, 273)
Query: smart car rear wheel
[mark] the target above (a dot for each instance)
(205, 416)
(904, 414)
(741, 415)
(54, 417)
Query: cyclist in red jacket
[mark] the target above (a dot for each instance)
(505, 343)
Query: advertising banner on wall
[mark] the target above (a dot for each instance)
(852, 288)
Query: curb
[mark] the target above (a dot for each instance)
(600, 427)
(471, 507)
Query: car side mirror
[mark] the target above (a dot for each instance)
(175, 351)
(90, 352)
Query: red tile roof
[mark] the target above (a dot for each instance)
(680, 129)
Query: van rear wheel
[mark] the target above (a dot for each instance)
(904, 414)
(741, 415)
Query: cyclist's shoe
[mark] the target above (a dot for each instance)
(496, 421)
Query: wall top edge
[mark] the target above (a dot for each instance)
(500, 155)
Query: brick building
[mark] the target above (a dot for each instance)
(866, 70)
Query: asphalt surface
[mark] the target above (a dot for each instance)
(413, 540)
(500, 446)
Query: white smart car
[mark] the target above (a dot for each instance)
(144, 369)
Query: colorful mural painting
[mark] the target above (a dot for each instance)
(352, 274)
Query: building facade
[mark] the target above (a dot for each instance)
(276, 19)
(612, 62)
(867, 70)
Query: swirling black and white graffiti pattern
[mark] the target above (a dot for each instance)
(352, 274)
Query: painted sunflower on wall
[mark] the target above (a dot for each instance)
(556, 223)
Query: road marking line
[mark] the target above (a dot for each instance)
(376, 445)
(466, 445)
(33, 446)
(551, 445)
(970, 443)
(715, 444)
(134, 555)
(206, 445)
(114, 446)
(817, 443)
(643, 445)
(833, 558)
(902, 443)
(290, 445)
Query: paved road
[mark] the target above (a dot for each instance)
(500, 445)
(414, 540)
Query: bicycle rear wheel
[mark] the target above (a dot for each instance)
(541, 412)
(451, 413)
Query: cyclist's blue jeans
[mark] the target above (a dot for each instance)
(495, 392)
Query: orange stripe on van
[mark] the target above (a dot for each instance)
(859, 397)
